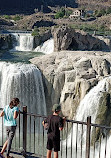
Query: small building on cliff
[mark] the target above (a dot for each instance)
(78, 13)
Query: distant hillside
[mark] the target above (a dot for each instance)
(94, 4)
(28, 6)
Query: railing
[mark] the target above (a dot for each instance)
(78, 139)
(14, 31)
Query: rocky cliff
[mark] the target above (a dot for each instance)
(35, 20)
(6, 42)
(66, 38)
(42, 38)
(69, 75)
(28, 6)
(94, 4)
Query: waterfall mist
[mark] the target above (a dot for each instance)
(25, 82)
(24, 41)
(47, 47)
(89, 107)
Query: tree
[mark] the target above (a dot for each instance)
(7, 17)
(100, 12)
(108, 11)
(61, 13)
(35, 31)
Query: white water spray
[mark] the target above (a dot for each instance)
(47, 47)
(90, 104)
(89, 107)
(25, 82)
(24, 41)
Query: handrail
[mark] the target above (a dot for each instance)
(31, 132)
(71, 121)
(101, 126)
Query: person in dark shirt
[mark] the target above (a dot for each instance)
(55, 125)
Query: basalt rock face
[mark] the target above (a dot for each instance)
(66, 38)
(5, 22)
(35, 20)
(68, 76)
(6, 42)
(42, 38)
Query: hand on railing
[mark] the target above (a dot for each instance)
(1, 113)
(19, 112)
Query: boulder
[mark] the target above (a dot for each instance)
(66, 38)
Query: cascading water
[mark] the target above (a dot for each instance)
(89, 107)
(47, 47)
(23, 50)
(23, 81)
(90, 103)
(24, 41)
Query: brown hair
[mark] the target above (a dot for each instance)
(14, 102)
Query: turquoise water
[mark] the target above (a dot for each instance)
(18, 56)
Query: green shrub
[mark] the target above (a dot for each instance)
(108, 11)
(7, 17)
(99, 13)
(90, 27)
(17, 17)
(35, 32)
(60, 14)
(68, 12)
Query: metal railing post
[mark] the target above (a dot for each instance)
(88, 137)
(24, 127)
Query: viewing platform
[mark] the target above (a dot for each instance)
(76, 138)
(19, 155)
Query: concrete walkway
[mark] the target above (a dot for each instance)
(19, 155)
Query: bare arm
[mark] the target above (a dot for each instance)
(1, 114)
(43, 123)
(15, 114)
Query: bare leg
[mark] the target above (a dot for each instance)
(49, 153)
(55, 154)
(4, 147)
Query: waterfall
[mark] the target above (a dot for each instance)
(89, 107)
(90, 103)
(47, 47)
(24, 42)
(25, 82)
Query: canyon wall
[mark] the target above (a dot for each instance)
(69, 75)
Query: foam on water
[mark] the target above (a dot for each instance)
(47, 47)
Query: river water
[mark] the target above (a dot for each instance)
(23, 48)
